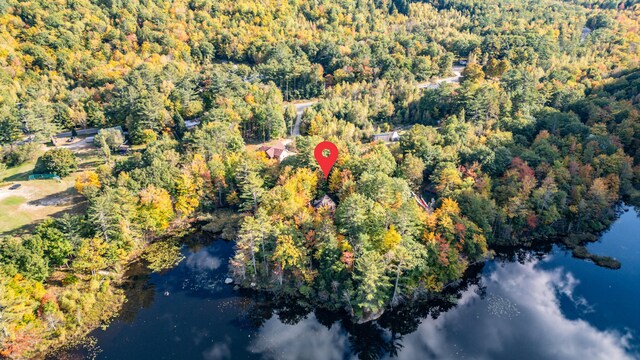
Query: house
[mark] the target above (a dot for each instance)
(276, 151)
(329, 81)
(387, 137)
(124, 149)
(189, 124)
(324, 201)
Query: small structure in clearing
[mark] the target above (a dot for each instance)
(124, 149)
(189, 124)
(45, 177)
(276, 151)
(324, 201)
(387, 137)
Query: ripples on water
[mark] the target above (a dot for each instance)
(501, 307)
(534, 304)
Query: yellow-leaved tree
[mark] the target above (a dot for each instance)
(155, 210)
(287, 255)
(391, 239)
(190, 185)
(87, 182)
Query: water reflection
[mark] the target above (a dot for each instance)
(521, 315)
(217, 351)
(140, 292)
(513, 311)
(203, 261)
(529, 304)
(307, 339)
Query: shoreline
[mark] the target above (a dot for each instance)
(223, 222)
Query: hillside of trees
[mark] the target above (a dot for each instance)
(540, 140)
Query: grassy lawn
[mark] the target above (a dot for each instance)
(24, 207)
(12, 201)
(18, 173)
(34, 201)
(9, 220)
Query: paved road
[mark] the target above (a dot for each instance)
(299, 111)
(457, 74)
(455, 79)
(585, 32)
(88, 131)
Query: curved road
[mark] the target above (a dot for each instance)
(299, 111)
(300, 107)
(455, 79)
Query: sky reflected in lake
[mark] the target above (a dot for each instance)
(521, 315)
(548, 306)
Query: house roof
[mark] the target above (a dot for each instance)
(388, 136)
(324, 201)
(273, 151)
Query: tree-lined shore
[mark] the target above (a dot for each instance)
(539, 140)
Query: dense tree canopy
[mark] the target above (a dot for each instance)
(539, 140)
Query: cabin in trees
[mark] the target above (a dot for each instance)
(329, 81)
(387, 137)
(277, 151)
(190, 124)
(324, 201)
(124, 149)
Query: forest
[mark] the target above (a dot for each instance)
(539, 141)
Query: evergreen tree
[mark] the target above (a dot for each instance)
(251, 190)
(372, 285)
(9, 130)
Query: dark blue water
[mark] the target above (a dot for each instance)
(533, 305)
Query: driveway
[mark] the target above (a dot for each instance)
(299, 111)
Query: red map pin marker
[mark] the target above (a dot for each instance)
(326, 163)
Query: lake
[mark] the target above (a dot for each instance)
(530, 304)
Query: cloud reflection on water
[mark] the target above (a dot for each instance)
(202, 260)
(217, 351)
(540, 331)
(307, 339)
(520, 318)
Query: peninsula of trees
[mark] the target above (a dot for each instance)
(539, 141)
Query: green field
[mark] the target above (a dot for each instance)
(10, 216)
(9, 221)
(12, 201)
(22, 208)
(18, 173)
